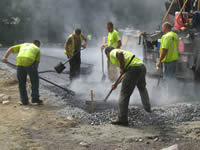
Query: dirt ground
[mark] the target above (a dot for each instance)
(35, 127)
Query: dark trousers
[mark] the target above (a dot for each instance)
(135, 76)
(22, 73)
(75, 64)
(197, 84)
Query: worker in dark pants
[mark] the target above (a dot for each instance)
(134, 76)
(27, 64)
(72, 49)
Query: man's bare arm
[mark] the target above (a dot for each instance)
(8, 52)
(163, 54)
(86, 41)
(119, 44)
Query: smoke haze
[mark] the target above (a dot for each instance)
(57, 19)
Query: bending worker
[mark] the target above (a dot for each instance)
(28, 59)
(169, 55)
(113, 40)
(73, 48)
(134, 76)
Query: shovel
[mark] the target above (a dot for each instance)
(118, 79)
(61, 66)
(102, 60)
(156, 90)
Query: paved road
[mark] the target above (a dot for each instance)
(52, 56)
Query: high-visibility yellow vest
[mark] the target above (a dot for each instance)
(89, 36)
(170, 42)
(71, 46)
(127, 57)
(28, 53)
(113, 38)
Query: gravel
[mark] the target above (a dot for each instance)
(168, 115)
(76, 107)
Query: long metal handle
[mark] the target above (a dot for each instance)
(73, 56)
(102, 60)
(116, 82)
(65, 89)
(169, 9)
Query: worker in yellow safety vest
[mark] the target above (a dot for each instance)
(72, 50)
(134, 75)
(27, 60)
(169, 55)
(113, 40)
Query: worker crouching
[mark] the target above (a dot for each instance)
(134, 76)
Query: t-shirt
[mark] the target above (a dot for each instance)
(113, 38)
(170, 41)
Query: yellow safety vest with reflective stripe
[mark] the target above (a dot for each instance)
(28, 53)
(113, 38)
(127, 56)
(170, 42)
(71, 46)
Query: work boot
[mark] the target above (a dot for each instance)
(20, 103)
(118, 122)
(147, 108)
(37, 101)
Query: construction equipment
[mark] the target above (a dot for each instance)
(188, 43)
(119, 79)
(61, 66)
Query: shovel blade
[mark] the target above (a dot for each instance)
(59, 68)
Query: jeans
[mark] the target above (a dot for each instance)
(22, 73)
(135, 76)
(170, 77)
(170, 69)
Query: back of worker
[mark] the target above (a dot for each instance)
(127, 56)
(28, 53)
(27, 60)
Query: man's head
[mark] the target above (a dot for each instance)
(166, 27)
(108, 50)
(77, 32)
(110, 26)
(37, 43)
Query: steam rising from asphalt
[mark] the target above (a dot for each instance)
(63, 16)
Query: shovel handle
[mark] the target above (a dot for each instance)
(116, 83)
(73, 56)
(102, 59)
(119, 78)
